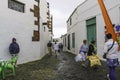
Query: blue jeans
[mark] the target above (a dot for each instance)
(112, 73)
(112, 63)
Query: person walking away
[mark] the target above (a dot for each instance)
(56, 48)
(61, 47)
(111, 56)
(83, 51)
(49, 45)
(14, 49)
(92, 48)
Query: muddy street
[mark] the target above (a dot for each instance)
(62, 67)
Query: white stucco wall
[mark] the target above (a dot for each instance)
(87, 10)
(21, 26)
(43, 10)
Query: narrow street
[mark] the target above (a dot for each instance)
(75, 26)
(62, 67)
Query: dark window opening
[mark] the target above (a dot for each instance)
(15, 5)
(37, 1)
(44, 28)
(70, 21)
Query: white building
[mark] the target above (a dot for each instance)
(86, 22)
(23, 19)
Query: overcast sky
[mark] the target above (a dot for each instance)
(61, 10)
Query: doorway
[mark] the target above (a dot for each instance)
(91, 29)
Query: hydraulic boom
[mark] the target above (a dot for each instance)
(108, 23)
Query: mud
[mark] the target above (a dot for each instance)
(62, 67)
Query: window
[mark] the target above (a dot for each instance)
(65, 41)
(37, 0)
(70, 21)
(36, 11)
(47, 5)
(69, 42)
(73, 40)
(15, 5)
(35, 36)
(44, 28)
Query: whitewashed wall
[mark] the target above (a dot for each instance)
(21, 26)
(43, 10)
(87, 10)
(45, 34)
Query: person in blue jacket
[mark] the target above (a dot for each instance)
(14, 48)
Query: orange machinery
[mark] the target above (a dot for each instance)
(107, 20)
(108, 23)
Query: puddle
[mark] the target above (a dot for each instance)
(61, 65)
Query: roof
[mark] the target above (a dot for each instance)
(76, 9)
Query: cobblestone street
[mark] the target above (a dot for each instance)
(60, 40)
(62, 67)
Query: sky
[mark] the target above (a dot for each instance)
(61, 10)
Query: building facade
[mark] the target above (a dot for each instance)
(86, 22)
(24, 20)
